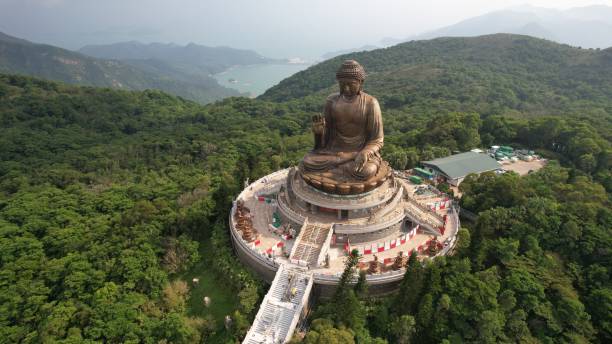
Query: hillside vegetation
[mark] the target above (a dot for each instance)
(107, 198)
(19, 56)
(495, 74)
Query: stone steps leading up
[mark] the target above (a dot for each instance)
(282, 307)
(309, 243)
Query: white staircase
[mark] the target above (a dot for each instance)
(282, 307)
(311, 245)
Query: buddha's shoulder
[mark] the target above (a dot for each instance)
(369, 99)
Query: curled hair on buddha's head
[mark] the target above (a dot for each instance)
(352, 70)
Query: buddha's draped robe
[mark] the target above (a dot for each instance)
(350, 127)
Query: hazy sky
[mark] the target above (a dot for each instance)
(275, 28)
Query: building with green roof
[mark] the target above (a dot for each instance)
(454, 168)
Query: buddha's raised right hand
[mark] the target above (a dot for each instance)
(318, 124)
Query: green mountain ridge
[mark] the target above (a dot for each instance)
(207, 59)
(489, 74)
(49, 62)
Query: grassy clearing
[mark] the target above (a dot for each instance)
(224, 300)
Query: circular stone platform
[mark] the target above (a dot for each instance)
(293, 223)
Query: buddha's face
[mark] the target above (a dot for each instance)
(349, 87)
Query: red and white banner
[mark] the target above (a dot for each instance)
(347, 246)
(393, 243)
(439, 205)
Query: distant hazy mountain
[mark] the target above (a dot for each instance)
(18, 56)
(588, 27)
(192, 56)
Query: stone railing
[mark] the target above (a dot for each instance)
(391, 205)
(425, 209)
(388, 221)
(325, 246)
(421, 219)
(287, 211)
(290, 194)
(297, 241)
(453, 216)
(303, 305)
(389, 276)
(269, 188)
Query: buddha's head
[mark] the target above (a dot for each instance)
(350, 78)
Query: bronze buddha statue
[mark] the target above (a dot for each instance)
(348, 138)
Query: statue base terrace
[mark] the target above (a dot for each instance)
(298, 225)
(337, 181)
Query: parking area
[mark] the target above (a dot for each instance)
(523, 167)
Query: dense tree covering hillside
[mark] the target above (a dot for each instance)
(107, 197)
(495, 74)
(19, 56)
(533, 268)
(104, 197)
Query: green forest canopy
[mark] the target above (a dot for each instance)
(105, 196)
